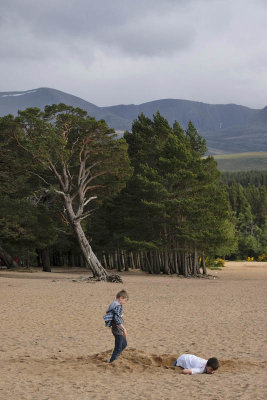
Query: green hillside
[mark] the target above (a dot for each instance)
(242, 161)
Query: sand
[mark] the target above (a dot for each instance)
(54, 344)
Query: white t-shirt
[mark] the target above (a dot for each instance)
(189, 361)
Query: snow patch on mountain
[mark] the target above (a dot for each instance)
(18, 94)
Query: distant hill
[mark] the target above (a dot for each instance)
(227, 128)
(11, 102)
(261, 117)
(242, 161)
(206, 117)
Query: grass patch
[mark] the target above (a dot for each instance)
(242, 161)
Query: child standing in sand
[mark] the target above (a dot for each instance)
(192, 364)
(114, 319)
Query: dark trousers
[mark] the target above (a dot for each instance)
(120, 344)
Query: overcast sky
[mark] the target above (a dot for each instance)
(132, 51)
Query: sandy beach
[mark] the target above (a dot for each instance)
(54, 344)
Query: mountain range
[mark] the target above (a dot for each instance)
(228, 128)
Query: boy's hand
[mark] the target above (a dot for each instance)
(124, 332)
(187, 372)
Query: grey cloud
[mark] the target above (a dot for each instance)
(150, 27)
(151, 36)
(132, 51)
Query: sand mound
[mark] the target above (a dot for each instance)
(131, 361)
(134, 360)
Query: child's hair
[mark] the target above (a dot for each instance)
(123, 294)
(213, 363)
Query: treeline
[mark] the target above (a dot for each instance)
(245, 178)
(248, 199)
(148, 201)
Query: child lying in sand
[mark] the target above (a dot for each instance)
(195, 365)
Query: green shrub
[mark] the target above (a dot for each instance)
(213, 264)
(220, 262)
(263, 257)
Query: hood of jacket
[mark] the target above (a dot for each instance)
(113, 305)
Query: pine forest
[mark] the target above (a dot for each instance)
(73, 194)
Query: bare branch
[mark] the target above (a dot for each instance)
(92, 166)
(85, 215)
(83, 203)
(39, 176)
(74, 196)
(64, 219)
(81, 151)
(72, 149)
(66, 132)
(90, 199)
(92, 187)
(69, 176)
(20, 145)
(84, 184)
(59, 192)
(65, 176)
(54, 170)
(62, 231)
(81, 171)
(83, 157)
(88, 170)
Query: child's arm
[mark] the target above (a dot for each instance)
(119, 321)
(192, 371)
(123, 329)
(187, 372)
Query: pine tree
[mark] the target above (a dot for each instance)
(77, 158)
(173, 208)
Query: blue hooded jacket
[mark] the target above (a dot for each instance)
(113, 313)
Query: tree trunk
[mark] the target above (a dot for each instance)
(132, 260)
(105, 261)
(166, 262)
(72, 260)
(90, 258)
(149, 267)
(176, 264)
(44, 253)
(10, 263)
(203, 264)
(195, 264)
(125, 262)
(185, 264)
(110, 261)
(156, 262)
(117, 260)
